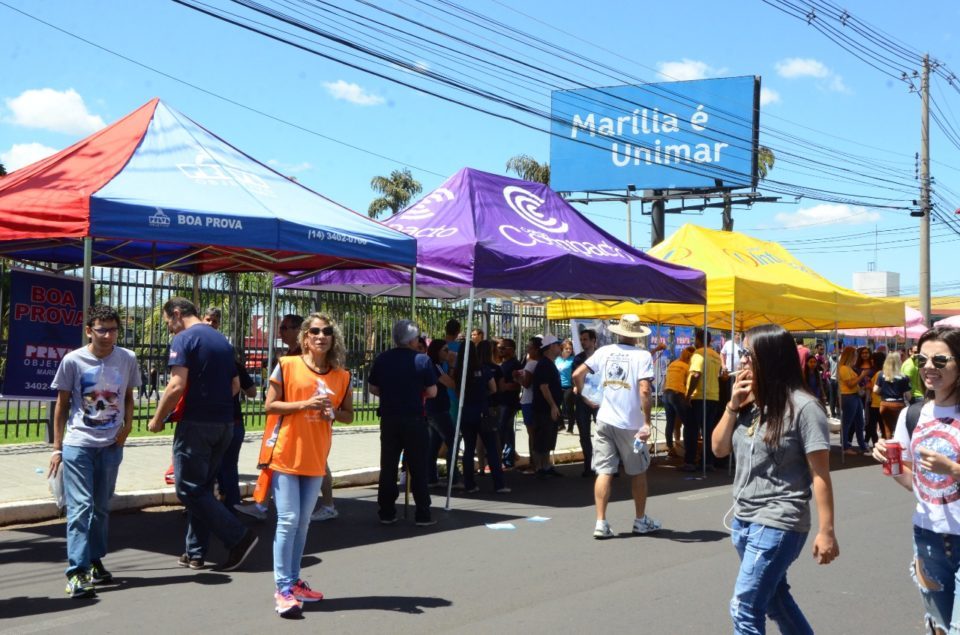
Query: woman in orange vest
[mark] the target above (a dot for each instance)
(307, 393)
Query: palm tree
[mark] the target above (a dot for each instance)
(397, 190)
(529, 169)
(765, 161)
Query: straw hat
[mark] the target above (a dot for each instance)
(629, 326)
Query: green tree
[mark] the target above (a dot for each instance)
(396, 191)
(3, 170)
(765, 161)
(529, 169)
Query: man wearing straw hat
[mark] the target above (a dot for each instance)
(626, 373)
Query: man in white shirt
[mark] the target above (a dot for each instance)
(730, 353)
(626, 373)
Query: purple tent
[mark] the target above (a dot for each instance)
(502, 237)
(485, 235)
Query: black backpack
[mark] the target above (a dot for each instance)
(913, 416)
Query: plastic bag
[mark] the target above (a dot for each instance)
(55, 483)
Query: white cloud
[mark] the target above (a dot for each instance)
(686, 70)
(800, 67)
(49, 109)
(794, 67)
(22, 154)
(769, 96)
(827, 214)
(354, 93)
(289, 168)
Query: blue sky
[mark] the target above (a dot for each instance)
(55, 89)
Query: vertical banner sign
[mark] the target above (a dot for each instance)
(46, 323)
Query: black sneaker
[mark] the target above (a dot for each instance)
(99, 573)
(80, 586)
(240, 551)
(186, 561)
(425, 522)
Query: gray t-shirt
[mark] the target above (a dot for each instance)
(771, 486)
(97, 391)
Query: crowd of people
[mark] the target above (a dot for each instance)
(764, 401)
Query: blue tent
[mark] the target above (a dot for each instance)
(156, 190)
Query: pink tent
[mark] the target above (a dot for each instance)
(913, 327)
(953, 320)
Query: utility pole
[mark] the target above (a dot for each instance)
(727, 213)
(657, 218)
(924, 270)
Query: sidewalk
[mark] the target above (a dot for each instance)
(354, 458)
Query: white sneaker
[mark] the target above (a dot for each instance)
(645, 525)
(324, 513)
(602, 530)
(252, 509)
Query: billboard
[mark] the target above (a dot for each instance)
(673, 135)
(46, 323)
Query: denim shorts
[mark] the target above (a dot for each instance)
(934, 568)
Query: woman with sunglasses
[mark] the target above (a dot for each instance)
(778, 434)
(931, 470)
(307, 394)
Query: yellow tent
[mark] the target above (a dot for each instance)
(751, 282)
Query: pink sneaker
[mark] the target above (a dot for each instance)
(302, 591)
(286, 604)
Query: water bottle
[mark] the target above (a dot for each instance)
(323, 391)
(638, 445)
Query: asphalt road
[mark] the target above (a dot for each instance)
(461, 576)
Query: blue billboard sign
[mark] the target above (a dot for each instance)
(46, 323)
(674, 135)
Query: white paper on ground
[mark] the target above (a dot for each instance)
(501, 526)
(537, 519)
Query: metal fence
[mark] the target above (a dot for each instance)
(244, 300)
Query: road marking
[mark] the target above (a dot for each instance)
(46, 625)
(701, 496)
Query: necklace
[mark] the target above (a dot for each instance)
(314, 367)
(754, 421)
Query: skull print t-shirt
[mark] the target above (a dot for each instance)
(97, 389)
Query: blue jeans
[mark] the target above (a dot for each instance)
(228, 478)
(471, 429)
(198, 448)
(295, 497)
(89, 476)
(761, 589)
(441, 431)
(852, 412)
(674, 406)
(692, 428)
(508, 434)
(935, 570)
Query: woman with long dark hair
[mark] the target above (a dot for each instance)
(930, 468)
(871, 427)
(480, 385)
(779, 436)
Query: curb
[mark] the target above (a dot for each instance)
(31, 511)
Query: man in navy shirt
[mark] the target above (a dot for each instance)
(547, 395)
(403, 378)
(203, 381)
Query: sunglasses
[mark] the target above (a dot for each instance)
(104, 331)
(746, 353)
(316, 330)
(939, 361)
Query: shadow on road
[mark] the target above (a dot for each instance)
(11, 608)
(395, 603)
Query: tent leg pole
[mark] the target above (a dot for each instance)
(836, 344)
(463, 386)
(271, 323)
(87, 278)
(656, 398)
(703, 392)
(413, 294)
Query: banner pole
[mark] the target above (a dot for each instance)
(87, 275)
